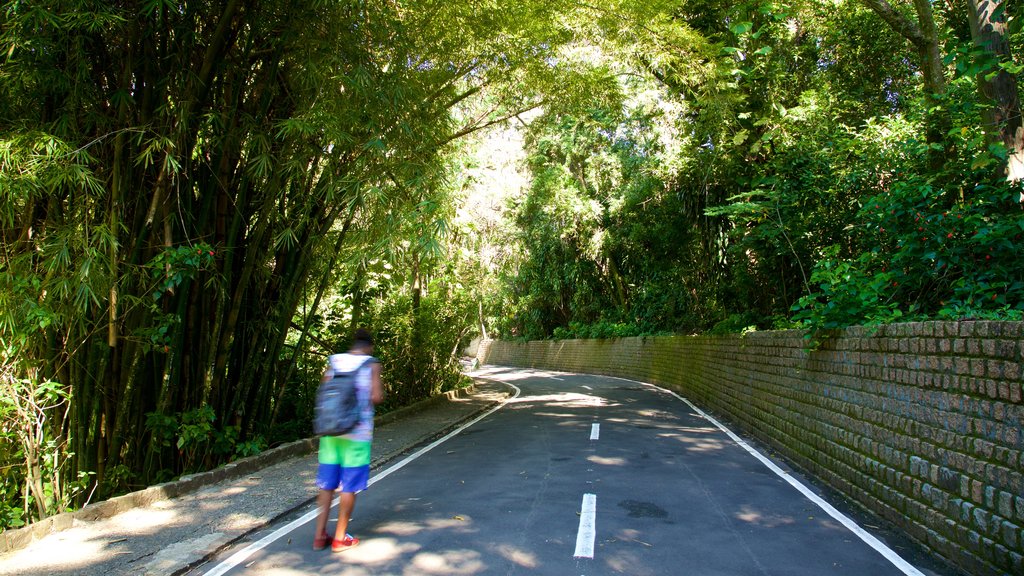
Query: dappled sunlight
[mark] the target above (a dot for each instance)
(628, 562)
(79, 543)
(240, 521)
(39, 555)
(210, 505)
(831, 524)
(628, 535)
(399, 528)
(660, 414)
(234, 490)
(648, 418)
(283, 571)
(517, 556)
(398, 548)
(461, 522)
(380, 551)
(513, 374)
(642, 424)
(548, 374)
(575, 418)
(566, 399)
(697, 444)
(283, 564)
(148, 517)
(751, 516)
(694, 430)
(450, 563)
(605, 461)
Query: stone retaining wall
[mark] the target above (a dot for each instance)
(922, 423)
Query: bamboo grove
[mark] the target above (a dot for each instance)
(186, 187)
(201, 199)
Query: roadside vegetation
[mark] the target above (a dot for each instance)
(771, 165)
(200, 200)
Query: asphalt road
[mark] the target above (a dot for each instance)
(581, 475)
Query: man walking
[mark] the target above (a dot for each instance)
(345, 460)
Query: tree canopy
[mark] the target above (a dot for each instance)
(776, 164)
(202, 199)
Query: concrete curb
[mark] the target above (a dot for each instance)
(16, 539)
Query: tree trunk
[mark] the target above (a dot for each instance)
(998, 88)
(480, 317)
(925, 38)
(249, 264)
(416, 338)
(34, 481)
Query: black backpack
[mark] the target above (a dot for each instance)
(337, 407)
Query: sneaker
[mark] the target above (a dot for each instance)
(322, 541)
(344, 544)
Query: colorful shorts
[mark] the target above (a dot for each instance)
(344, 463)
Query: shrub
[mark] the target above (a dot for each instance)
(931, 257)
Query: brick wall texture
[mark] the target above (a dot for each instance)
(920, 423)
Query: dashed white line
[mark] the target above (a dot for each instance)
(588, 527)
(595, 431)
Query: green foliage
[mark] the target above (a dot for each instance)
(120, 479)
(740, 200)
(162, 429)
(602, 329)
(35, 458)
(925, 242)
(419, 348)
(750, 322)
(418, 340)
(928, 257)
(12, 471)
(250, 447)
(201, 445)
(173, 266)
(291, 148)
(11, 516)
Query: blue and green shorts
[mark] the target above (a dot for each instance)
(344, 464)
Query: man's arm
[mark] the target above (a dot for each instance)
(376, 389)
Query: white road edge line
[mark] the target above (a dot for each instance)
(588, 528)
(244, 554)
(595, 431)
(880, 547)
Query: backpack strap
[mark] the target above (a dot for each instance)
(351, 367)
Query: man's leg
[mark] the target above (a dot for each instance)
(355, 475)
(323, 500)
(346, 504)
(328, 478)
